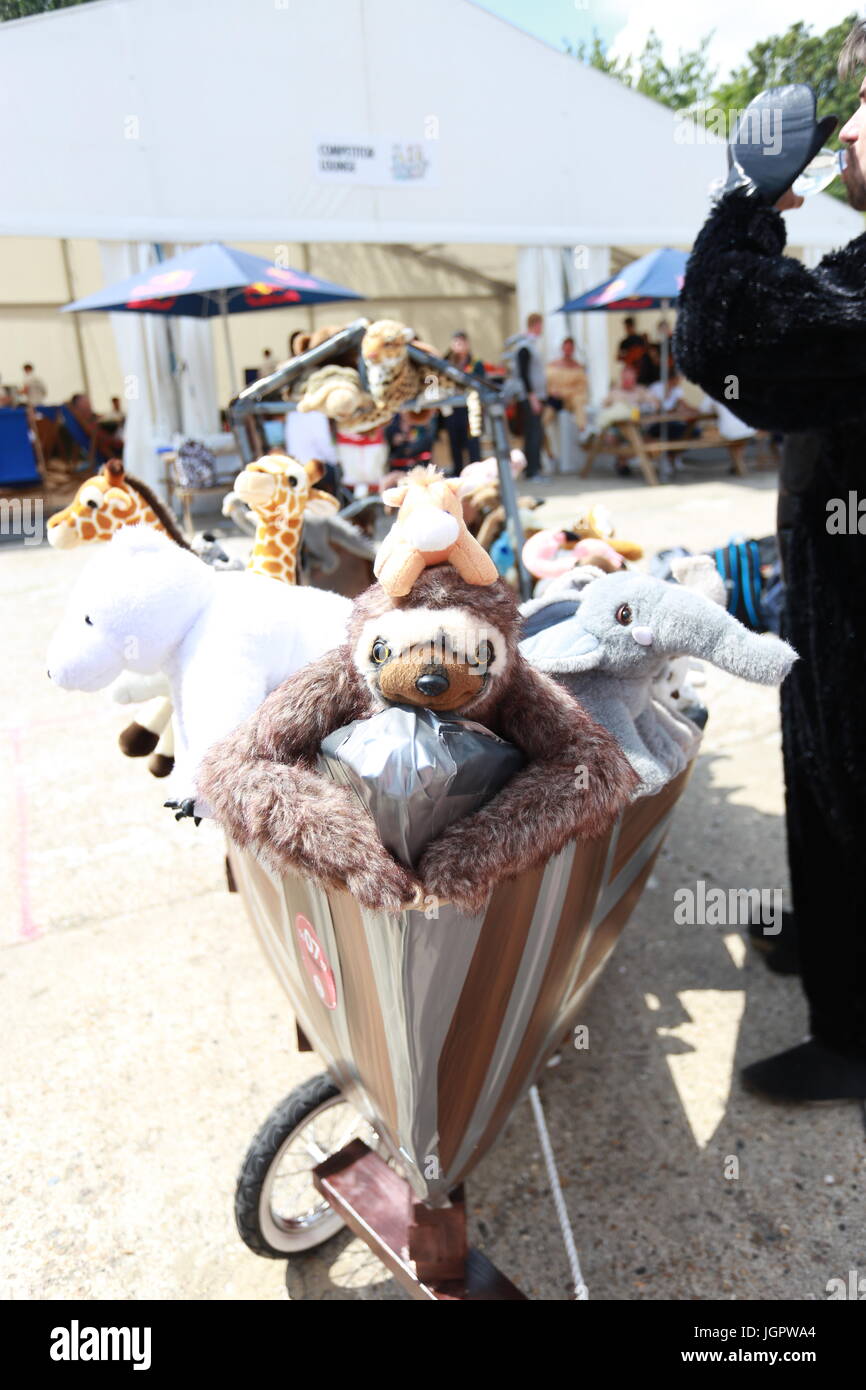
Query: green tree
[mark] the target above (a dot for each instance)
(19, 9)
(680, 85)
(683, 83)
(796, 56)
(595, 55)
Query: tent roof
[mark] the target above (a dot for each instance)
(198, 120)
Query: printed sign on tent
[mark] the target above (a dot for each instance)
(381, 161)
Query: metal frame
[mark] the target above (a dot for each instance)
(252, 402)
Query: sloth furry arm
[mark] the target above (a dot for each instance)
(542, 807)
(264, 789)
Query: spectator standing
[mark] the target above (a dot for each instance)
(33, 387)
(456, 422)
(530, 369)
(633, 346)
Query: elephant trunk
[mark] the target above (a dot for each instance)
(764, 659)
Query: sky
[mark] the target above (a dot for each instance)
(680, 24)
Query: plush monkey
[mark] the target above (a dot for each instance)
(447, 646)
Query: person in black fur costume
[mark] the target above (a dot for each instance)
(792, 343)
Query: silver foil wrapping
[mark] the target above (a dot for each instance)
(417, 772)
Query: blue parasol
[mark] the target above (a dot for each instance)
(651, 282)
(210, 280)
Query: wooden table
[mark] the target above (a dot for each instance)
(635, 443)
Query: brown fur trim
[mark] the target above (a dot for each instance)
(262, 786)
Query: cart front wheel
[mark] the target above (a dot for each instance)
(277, 1209)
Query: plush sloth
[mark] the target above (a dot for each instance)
(451, 647)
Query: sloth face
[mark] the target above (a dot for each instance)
(442, 661)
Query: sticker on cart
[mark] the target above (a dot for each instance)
(316, 962)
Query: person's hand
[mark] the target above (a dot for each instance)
(535, 403)
(789, 199)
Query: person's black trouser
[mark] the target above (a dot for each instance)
(530, 425)
(824, 747)
(457, 425)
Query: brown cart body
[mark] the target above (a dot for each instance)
(436, 1026)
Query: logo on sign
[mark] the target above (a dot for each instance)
(316, 962)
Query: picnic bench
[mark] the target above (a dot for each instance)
(634, 442)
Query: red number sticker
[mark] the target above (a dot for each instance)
(316, 962)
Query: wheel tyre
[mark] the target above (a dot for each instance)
(255, 1223)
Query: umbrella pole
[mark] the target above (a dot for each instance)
(230, 357)
(665, 364)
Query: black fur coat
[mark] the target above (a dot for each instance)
(792, 343)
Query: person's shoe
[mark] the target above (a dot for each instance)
(782, 951)
(812, 1071)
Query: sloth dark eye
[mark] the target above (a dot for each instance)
(624, 614)
(484, 655)
(380, 651)
(88, 620)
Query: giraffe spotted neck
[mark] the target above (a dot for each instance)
(278, 489)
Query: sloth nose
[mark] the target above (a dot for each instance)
(432, 683)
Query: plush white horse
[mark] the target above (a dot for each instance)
(224, 640)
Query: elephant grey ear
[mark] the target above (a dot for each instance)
(541, 615)
(699, 572)
(564, 648)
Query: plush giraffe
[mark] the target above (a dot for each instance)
(278, 490)
(106, 502)
(100, 507)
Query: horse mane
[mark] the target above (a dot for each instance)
(159, 509)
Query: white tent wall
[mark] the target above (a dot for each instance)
(528, 146)
(37, 276)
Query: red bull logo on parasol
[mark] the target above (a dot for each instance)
(260, 292)
(153, 294)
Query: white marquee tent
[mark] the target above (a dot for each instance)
(455, 170)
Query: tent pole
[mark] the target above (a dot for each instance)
(76, 322)
(305, 267)
(665, 364)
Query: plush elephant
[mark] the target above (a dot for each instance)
(608, 637)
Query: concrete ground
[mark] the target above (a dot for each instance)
(145, 1038)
